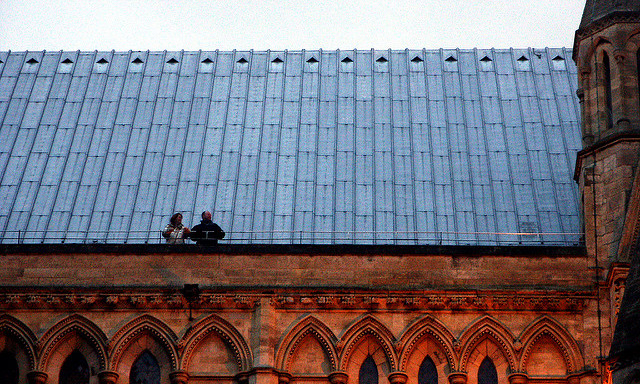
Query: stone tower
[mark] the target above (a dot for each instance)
(607, 53)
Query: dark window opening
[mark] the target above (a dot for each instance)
(172, 61)
(368, 372)
(145, 370)
(487, 373)
(9, 372)
(450, 59)
(417, 60)
(67, 61)
(277, 60)
(75, 369)
(523, 58)
(638, 72)
(427, 374)
(312, 60)
(347, 60)
(32, 61)
(607, 90)
(242, 61)
(137, 61)
(102, 61)
(485, 59)
(381, 59)
(207, 61)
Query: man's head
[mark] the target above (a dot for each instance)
(206, 215)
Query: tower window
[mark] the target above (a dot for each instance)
(487, 373)
(427, 374)
(145, 370)
(368, 372)
(9, 372)
(75, 369)
(607, 90)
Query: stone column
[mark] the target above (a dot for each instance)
(108, 377)
(518, 378)
(37, 377)
(284, 378)
(398, 377)
(179, 377)
(338, 377)
(457, 378)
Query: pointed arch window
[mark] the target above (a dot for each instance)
(427, 374)
(638, 72)
(145, 370)
(75, 369)
(368, 372)
(487, 373)
(9, 372)
(607, 89)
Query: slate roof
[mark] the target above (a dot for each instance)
(595, 10)
(359, 147)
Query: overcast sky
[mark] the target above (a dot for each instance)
(285, 24)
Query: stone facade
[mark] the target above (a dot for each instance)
(304, 315)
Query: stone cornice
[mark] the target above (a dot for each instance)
(549, 301)
(602, 24)
(633, 136)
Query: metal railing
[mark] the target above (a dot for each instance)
(303, 237)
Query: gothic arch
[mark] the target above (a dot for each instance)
(214, 324)
(83, 327)
(139, 327)
(367, 326)
(487, 328)
(21, 334)
(598, 45)
(307, 326)
(427, 326)
(546, 326)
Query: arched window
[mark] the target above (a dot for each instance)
(145, 370)
(9, 372)
(607, 89)
(75, 369)
(368, 372)
(487, 373)
(638, 71)
(427, 373)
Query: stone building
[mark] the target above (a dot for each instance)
(403, 216)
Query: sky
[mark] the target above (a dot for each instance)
(157, 25)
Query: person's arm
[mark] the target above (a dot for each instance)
(166, 232)
(218, 233)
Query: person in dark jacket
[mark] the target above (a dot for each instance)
(207, 232)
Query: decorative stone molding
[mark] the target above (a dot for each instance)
(84, 327)
(179, 377)
(108, 377)
(225, 331)
(425, 327)
(481, 329)
(368, 325)
(284, 378)
(338, 377)
(518, 378)
(37, 377)
(398, 377)
(560, 302)
(546, 326)
(144, 324)
(22, 334)
(307, 326)
(457, 378)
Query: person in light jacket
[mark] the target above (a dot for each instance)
(175, 232)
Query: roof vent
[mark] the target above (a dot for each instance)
(312, 60)
(172, 61)
(67, 61)
(558, 58)
(347, 60)
(523, 58)
(486, 59)
(382, 59)
(32, 61)
(137, 61)
(417, 59)
(102, 61)
(242, 61)
(451, 59)
(1, 62)
(277, 60)
(207, 61)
